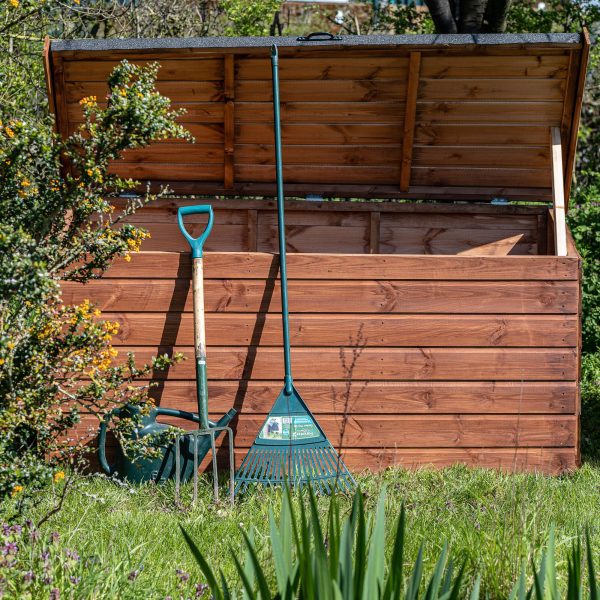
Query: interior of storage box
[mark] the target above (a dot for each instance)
(360, 228)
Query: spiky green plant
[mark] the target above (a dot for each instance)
(346, 559)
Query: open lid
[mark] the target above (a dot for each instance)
(463, 117)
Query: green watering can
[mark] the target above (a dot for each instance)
(161, 468)
(181, 451)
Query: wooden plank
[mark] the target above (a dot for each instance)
(488, 112)
(205, 133)
(47, 62)
(371, 67)
(252, 230)
(168, 172)
(376, 364)
(176, 152)
(177, 91)
(323, 112)
(457, 431)
(195, 112)
(248, 265)
(173, 328)
(441, 176)
(394, 297)
(558, 197)
(365, 90)
(451, 134)
(492, 89)
(264, 154)
(318, 173)
(472, 156)
(60, 100)
(572, 148)
(461, 67)
(550, 461)
(439, 240)
(412, 90)
(374, 232)
(180, 69)
(316, 134)
(369, 397)
(229, 126)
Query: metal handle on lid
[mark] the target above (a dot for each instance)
(319, 36)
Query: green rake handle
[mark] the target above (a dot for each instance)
(281, 225)
(196, 245)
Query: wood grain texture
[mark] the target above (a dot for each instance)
(372, 397)
(412, 91)
(154, 329)
(248, 265)
(377, 364)
(384, 296)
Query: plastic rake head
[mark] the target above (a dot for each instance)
(318, 465)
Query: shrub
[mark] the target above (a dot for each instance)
(57, 199)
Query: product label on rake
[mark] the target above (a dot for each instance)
(289, 428)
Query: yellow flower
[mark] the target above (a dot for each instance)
(58, 476)
(9, 132)
(90, 172)
(14, 3)
(25, 183)
(17, 490)
(10, 345)
(76, 1)
(127, 258)
(97, 312)
(1, 361)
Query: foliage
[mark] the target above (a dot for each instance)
(35, 564)
(590, 405)
(249, 18)
(346, 558)
(61, 223)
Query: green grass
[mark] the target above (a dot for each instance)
(493, 521)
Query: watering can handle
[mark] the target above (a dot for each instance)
(196, 243)
(167, 412)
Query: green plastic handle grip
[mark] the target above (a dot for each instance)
(196, 244)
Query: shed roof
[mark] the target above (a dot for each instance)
(442, 116)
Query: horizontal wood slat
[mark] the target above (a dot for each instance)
(406, 431)
(154, 329)
(376, 67)
(489, 112)
(372, 397)
(491, 89)
(248, 265)
(353, 90)
(471, 134)
(375, 364)
(322, 112)
(392, 297)
(555, 461)
(453, 67)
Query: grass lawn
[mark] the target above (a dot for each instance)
(130, 538)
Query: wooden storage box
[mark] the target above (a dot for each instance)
(424, 333)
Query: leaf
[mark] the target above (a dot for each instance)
(263, 586)
(375, 571)
(412, 589)
(594, 592)
(476, 588)
(204, 566)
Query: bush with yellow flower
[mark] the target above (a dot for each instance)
(59, 222)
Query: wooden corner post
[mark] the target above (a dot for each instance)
(410, 115)
(558, 194)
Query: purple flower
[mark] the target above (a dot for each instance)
(54, 594)
(54, 536)
(34, 535)
(28, 576)
(47, 580)
(5, 529)
(16, 529)
(10, 548)
(200, 589)
(183, 576)
(74, 580)
(72, 555)
(45, 555)
(133, 575)
(29, 523)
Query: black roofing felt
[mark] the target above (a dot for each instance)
(347, 40)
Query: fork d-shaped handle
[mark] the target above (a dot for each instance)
(196, 244)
